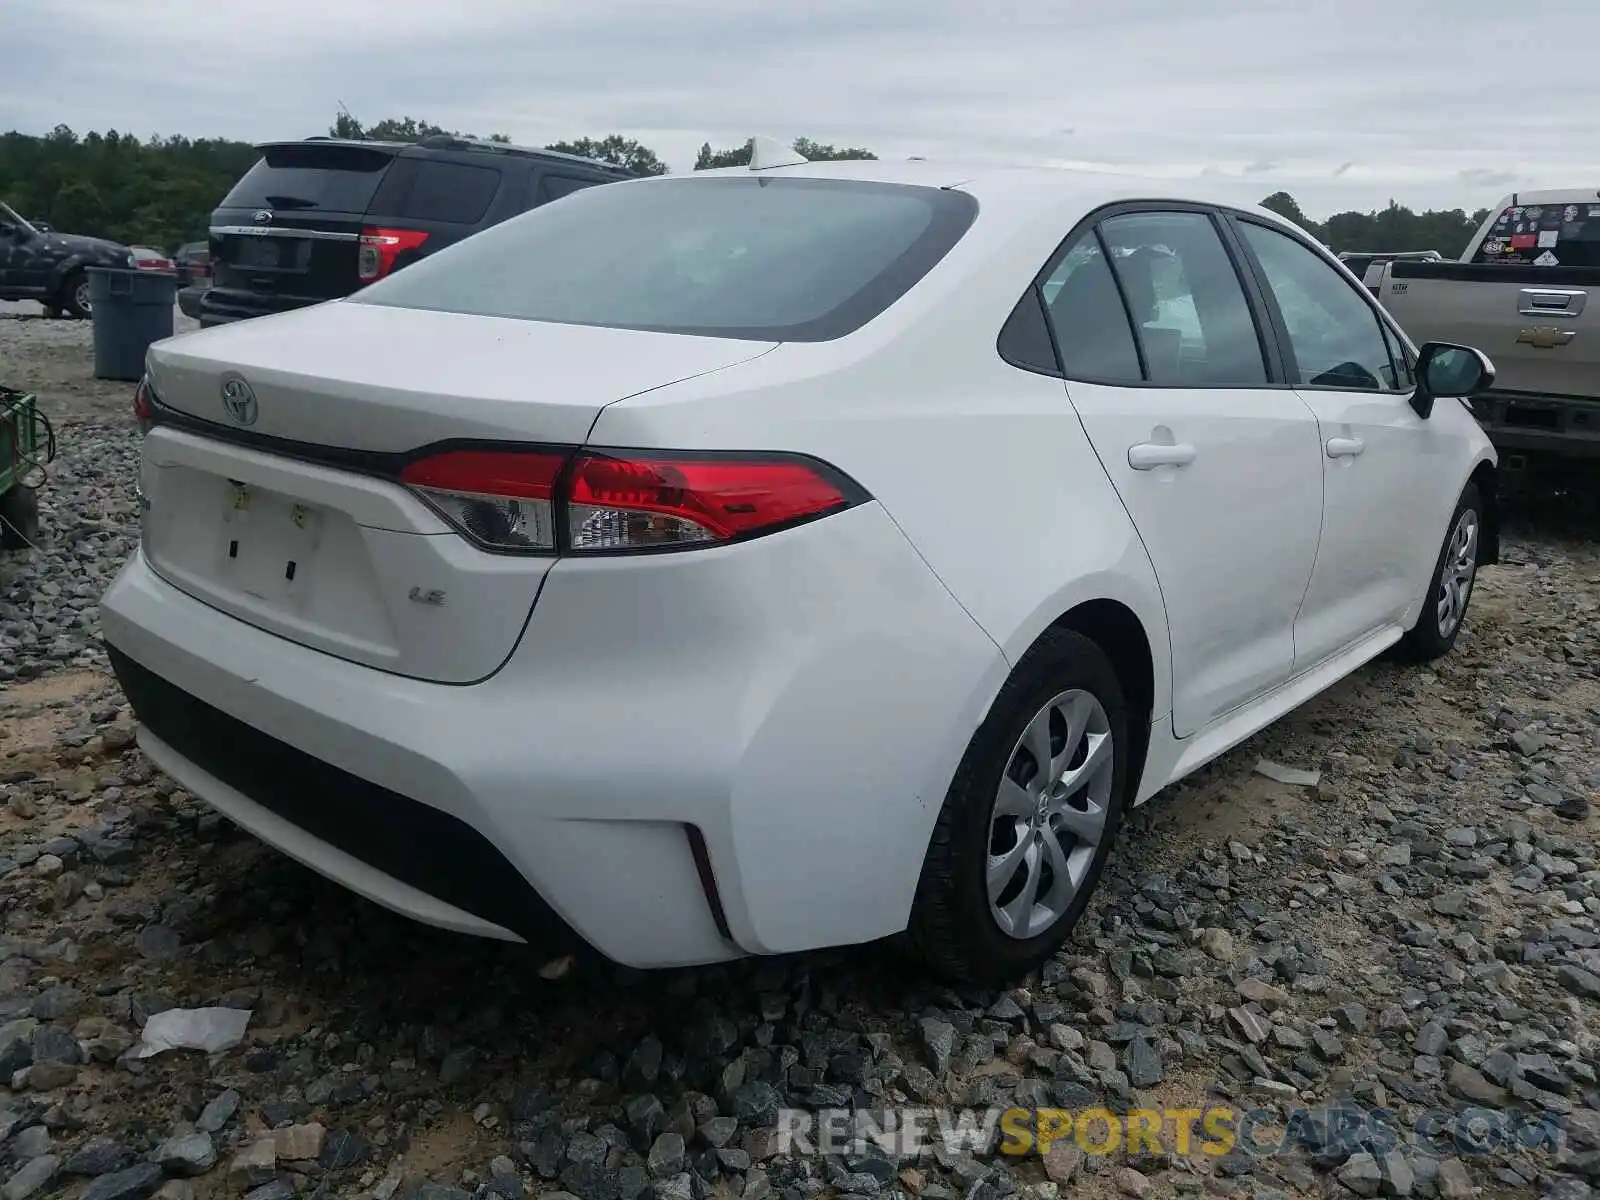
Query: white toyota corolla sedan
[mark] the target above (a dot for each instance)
(787, 556)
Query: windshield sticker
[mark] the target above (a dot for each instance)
(1594, 211)
(1524, 241)
(1532, 214)
(1547, 260)
(1547, 238)
(1569, 213)
(1494, 246)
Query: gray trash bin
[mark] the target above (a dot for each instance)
(131, 309)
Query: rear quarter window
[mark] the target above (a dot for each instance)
(1549, 235)
(553, 187)
(423, 189)
(777, 259)
(310, 177)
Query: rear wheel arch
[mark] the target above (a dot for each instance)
(1117, 630)
(1486, 475)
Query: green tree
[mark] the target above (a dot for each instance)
(619, 151)
(710, 160)
(158, 192)
(819, 152)
(1286, 207)
(398, 129)
(1393, 228)
(739, 156)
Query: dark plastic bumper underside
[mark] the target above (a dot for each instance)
(403, 838)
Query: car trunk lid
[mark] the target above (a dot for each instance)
(284, 512)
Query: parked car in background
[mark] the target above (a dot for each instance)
(148, 258)
(1521, 291)
(193, 263)
(1368, 266)
(317, 219)
(785, 556)
(51, 267)
(193, 260)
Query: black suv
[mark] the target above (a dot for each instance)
(317, 219)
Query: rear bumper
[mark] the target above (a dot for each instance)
(1561, 426)
(189, 298)
(682, 762)
(218, 306)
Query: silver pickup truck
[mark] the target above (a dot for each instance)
(1520, 293)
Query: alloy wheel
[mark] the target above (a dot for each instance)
(1049, 814)
(1456, 576)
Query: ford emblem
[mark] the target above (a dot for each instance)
(263, 216)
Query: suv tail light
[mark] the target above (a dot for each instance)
(617, 501)
(380, 248)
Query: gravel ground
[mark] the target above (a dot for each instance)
(1415, 936)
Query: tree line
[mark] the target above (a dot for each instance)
(1394, 229)
(160, 191)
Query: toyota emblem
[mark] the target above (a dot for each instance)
(263, 216)
(240, 400)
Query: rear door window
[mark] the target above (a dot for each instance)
(1543, 235)
(311, 178)
(1189, 310)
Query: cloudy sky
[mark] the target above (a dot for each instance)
(1344, 103)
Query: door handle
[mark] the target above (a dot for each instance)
(1345, 447)
(1147, 456)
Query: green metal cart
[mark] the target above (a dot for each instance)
(27, 445)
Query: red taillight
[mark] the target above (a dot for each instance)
(380, 248)
(142, 412)
(637, 503)
(502, 499)
(620, 501)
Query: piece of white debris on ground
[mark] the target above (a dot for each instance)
(209, 1029)
(1297, 776)
(557, 968)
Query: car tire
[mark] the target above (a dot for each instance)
(19, 518)
(1450, 587)
(979, 867)
(74, 295)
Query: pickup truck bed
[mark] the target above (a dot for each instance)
(1538, 327)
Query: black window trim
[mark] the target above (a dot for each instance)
(1388, 329)
(1268, 335)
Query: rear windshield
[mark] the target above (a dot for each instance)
(1547, 235)
(325, 178)
(771, 259)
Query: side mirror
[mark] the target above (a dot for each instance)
(1445, 372)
